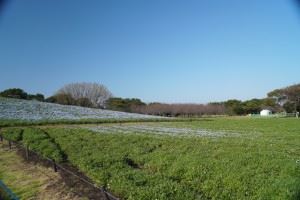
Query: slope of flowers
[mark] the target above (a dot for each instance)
(160, 130)
(34, 110)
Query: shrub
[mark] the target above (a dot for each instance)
(84, 102)
(12, 134)
(14, 93)
(38, 97)
(38, 141)
(64, 99)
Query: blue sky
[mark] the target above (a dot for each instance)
(159, 50)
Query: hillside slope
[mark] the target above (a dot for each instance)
(35, 110)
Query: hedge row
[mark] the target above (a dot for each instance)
(36, 140)
(12, 134)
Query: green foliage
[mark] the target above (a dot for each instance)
(64, 99)
(14, 93)
(51, 99)
(110, 163)
(290, 95)
(25, 181)
(291, 92)
(11, 123)
(253, 106)
(12, 134)
(18, 93)
(121, 104)
(234, 107)
(84, 102)
(38, 97)
(38, 141)
(289, 107)
(258, 164)
(275, 93)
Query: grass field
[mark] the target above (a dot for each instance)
(213, 158)
(29, 181)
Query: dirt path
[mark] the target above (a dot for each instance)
(32, 182)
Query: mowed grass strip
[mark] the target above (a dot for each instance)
(137, 166)
(29, 181)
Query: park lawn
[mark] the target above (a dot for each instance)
(258, 161)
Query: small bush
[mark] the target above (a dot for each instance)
(38, 141)
(12, 134)
(14, 93)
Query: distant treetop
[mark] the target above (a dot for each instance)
(94, 94)
(18, 93)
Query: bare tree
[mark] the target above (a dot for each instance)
(186, 110)
(96, 93)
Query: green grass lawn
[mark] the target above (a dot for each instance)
(19, 177)
(31, 181)
(257, 159)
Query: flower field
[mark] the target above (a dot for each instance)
(12, 109)
(160, 130)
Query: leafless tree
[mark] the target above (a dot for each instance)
(184, 110)
(96, 93)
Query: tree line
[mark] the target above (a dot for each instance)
(18, 93)
(96, 95)
(91, 95)
(180, 110)
(230, 107)
(287, 97)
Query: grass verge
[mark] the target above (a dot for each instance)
(29, 181)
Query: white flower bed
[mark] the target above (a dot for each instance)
(145, 129)
(34, 110)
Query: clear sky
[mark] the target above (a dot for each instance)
(157, 50)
